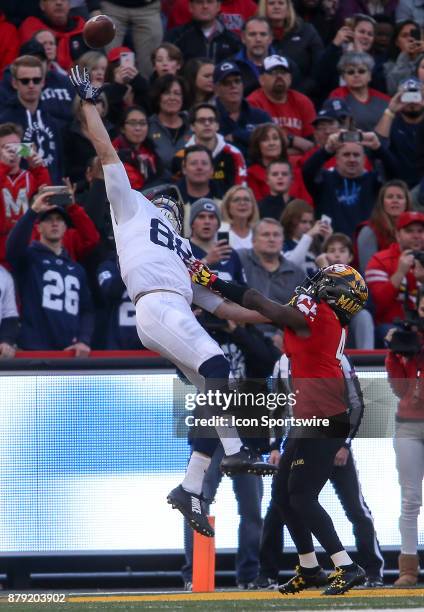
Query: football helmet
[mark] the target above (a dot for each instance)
(167, 198)
(342, 287)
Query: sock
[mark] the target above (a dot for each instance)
(229, 439)
(195, 473)
(341, 558)
(308, 560)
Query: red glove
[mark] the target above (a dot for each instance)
(200, 273)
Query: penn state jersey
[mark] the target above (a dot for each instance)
(151, 254)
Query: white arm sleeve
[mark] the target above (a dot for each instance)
(206, 299)
(8, 299)
(298, 254)
(121, 197)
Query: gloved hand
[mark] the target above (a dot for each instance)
(83, 85)
(200, 273)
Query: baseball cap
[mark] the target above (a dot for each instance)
(55, 209)
(276, 61)
(33, 47)
(325, 115)
(408, 217)
(114, 54)
(223, 70)
(338, 107)
(204, 205)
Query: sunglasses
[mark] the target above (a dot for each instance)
(35, 80)
(351, 71)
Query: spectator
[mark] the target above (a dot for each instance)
(121, 333)
(267, 270)
(228, 162)
(293, 38)
(367, 104)
(9, 43)
(96, 64)
(405, 376)
(143, 21)
(279, 178)
(346, 194)
(169, 126)
(204, 35)
(27, 110)
(48, 40)
(290, 109)
(379, 232)
(57, 93)
(240, 210)
(17, 186)
(78, 149)
(233, 14)
(410, 10)
(406, 46)
(66, 28)
(136, 150)
(9, 319)
(97, 207)
(392, 274)
(56, 304)
(338, 249)
(304, 235)
(384, 28)
(124, 85)
(320, 14)
(197, 170)
(256, 38)
(166, 59)
(237, 118)
(198, 77)
(400, 127)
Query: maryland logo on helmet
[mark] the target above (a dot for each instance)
(344, 289)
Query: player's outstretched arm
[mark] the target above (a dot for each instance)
(96, 130)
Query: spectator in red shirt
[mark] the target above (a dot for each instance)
(17, 186)
(233, 13)
(9, 43)
(291, 110)
(66, 28)
(392, 274)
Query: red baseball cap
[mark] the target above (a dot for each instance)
(408, 217)
(113, 55)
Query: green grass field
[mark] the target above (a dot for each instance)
(222, 601)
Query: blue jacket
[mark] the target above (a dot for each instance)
(57, 309)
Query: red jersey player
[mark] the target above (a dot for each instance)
(315, 323)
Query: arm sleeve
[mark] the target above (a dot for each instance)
(312, 168)
(298, 254)
(19, 238)
(355, 399)
(397, 374)
(85, 235)
(110, 282)
(120, 195)
(367, 246)
(206, 299)
(383, 292)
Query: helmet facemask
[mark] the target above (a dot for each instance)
(167, 198)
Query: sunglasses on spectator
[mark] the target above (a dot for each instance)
(135, 123)
(352, 71)
(27, 81)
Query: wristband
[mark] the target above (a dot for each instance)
(389, 113)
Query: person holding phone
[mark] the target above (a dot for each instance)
(406, 46)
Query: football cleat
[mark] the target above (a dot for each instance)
(246, 462)
(192, 508)
(302, 581)
(265, 583)
(373, 582)
(344, 579)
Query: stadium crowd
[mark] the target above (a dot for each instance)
(294, 131)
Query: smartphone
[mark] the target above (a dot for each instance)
(416, 34)
(351, 136)
(349, 22)
(60, 195)
(411, 97)
(25, 149)
(223, 236)
(326, 219)
(127, 59)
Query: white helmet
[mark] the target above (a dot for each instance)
(167, 198)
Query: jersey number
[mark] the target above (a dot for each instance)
(340, 348)
(161, 235)
(61, 293)
(126, 312)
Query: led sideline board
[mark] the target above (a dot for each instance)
(87, 459)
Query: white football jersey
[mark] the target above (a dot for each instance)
(151, 254)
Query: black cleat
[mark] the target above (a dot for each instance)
(373, 582)
(302, 581)
(246, 462)
(192, 507)
(344, 579)
(265, 583)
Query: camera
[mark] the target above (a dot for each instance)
(411, 92)
(60, 195)
(419, 256)
(351, 136)
(406, 340)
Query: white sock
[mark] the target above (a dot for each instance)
(195, 473)
(341, 558)
(308, 560)
(229, 439)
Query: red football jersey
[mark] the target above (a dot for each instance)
(317, 357)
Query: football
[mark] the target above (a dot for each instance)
(99, 31)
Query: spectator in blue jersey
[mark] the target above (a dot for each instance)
(121, 333)
(57, 312)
